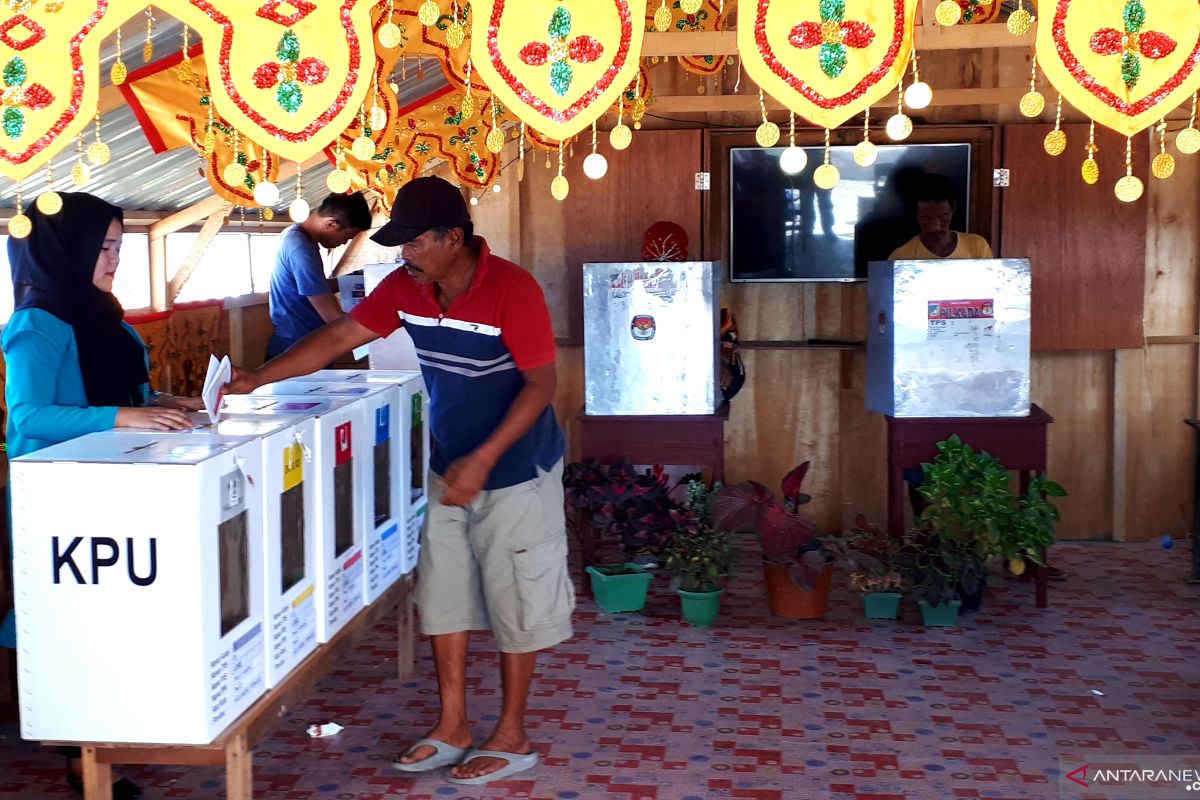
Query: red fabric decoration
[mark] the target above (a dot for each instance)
(665, 241)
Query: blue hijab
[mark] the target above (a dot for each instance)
(52, 269)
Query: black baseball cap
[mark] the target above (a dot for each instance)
(423, 204)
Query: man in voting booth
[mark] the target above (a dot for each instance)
(494, 550)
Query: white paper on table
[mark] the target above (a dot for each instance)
(219, 373)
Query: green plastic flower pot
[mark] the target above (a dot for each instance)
(700, 608)
(942, 615)
(617, 593)
(882, 605)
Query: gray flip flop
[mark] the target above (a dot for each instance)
(517, 762)
(445, 755)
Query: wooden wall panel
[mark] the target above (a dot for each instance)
(1087, 248)
(1154, 451)
(1076, 388)
(605, 220)
(1173, 252)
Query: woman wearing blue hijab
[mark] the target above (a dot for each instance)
(73, 365)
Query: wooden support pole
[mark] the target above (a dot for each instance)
(158, 273)
(730, 103)
(212, 226)
(929, 37)
(97, 776)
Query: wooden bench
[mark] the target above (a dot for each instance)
(234, 748)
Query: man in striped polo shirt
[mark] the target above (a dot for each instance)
(494, 550)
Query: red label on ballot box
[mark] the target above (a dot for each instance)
(342, 440)
(965, 318)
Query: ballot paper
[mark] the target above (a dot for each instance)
(219, 373)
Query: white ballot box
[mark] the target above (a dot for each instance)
(949, 338)
(139, 587)
(380, 497)
(335, 482)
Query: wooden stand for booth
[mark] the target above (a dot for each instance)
(1019, 443)
(234, 748)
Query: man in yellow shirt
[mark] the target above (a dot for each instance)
(935, 210)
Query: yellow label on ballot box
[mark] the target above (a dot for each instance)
(293, 466)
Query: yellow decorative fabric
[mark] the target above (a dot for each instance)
(707, 18)
(436, 129)
(558, 65)
(1125, 64)
(174, 113)
(289, 73)
(826, 60)
(50, 63)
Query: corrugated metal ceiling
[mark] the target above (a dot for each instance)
(136, 178)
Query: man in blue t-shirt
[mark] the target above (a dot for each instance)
(301, 297)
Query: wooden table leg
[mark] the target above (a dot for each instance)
(239, 769)
(895, 499)
(97, 777)
(405, 655)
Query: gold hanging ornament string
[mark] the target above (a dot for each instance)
(918, 95)
(80, 174)
(390, 34)
(1163, 165)
(1128, 188)
(494, 141)
(560, 187)
(1020, 20)
(1090, 169)
(363, 147)
(1188, 139)
(767, 134)
(521, 156)
(378, 118)
(338, 181)
(826, 176)
(49, 202)
(595, 165)
(865, 152)
(98, 152)
(298, 210)
(234, 173)
(621, 136)
(148, 47)
(19, 226)
(456, 33)
(899, 126)
(1032, 103)
(1055, 142)
(793, 159)
(639, 103)
(119, 72)
(468, 102)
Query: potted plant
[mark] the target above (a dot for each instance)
(797, 567)
(614, 507)
(698, 557)
(875, 573)
(934, 579)
(976, 516)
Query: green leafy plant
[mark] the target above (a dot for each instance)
(699, 556)
(871, 554)
(615, 504)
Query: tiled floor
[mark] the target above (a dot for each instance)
(641, 707)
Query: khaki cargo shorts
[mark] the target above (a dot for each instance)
(499, 565)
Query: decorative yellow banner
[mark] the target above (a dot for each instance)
(1123, 63)
(558, 65)
(290, 74)
(173, 110)
(827, 60)
(706, 17)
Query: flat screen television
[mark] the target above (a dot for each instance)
(783, 228)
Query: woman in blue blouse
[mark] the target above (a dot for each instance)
(73, 365)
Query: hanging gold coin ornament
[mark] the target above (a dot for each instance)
(338, 181)
(639, 104)
(80, 174)
(1090, 170)
(148, 47)
(793, 159)
(210, 134)
(378, 116)
(185, 71)
(865, 152)
(560, 187)
(947, 13)
(362, 147)
(98, 152)
(595, 166)
(267, 214)
(234, 173)
(19, 225)
(1128, 188)
(662, 18)
(429, 13)
(1055, 142)
(390, 35)
(298, 210)
(899, 126)
(619, 137)
(1032, 103)
(455, 33)
(768, 133)
(1020, 20)
(468, 101)
(1187, 141)
(1163, 165)
(494, 141)
(690, 6)
(49, 202)
(826, 176)
(118, 72)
